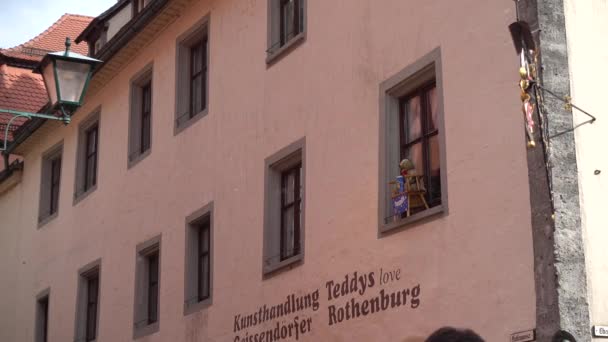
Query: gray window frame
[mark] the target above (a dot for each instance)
(183, 119)
(191, 261)
(274, 165)
(425, 69)
(41, 330)
(140, 312)
(85, 273)
(137, 83)
(275, 52)
(44, 203)
(93, 119)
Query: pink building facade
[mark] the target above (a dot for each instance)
(257, 205)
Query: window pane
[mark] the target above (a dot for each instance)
(414, 154)
(153, 303)
(153, 288)
(44, 317)
(92, 140)
(432, 95)
(146, 98)
(287, 20)
(288, 233)
(197, 92)
(204, 239)
(434, 179)
(289, 183)
(412, 123)
(145, 133)
(203, 284)
(196, 58)
(90, 172)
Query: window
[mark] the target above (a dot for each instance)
(50, 184)
(147, 288)
(286, 26)
(87, 157)
(412, 184)
(140, 117)
(192, 75)
(198, 260)
(42, 316)
(284, 208)
(88, 303)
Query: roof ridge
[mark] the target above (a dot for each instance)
(48, 30)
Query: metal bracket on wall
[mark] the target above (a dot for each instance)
(568, 105)
(65, 118)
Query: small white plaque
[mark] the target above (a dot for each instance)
(600, 331)
(524, 336)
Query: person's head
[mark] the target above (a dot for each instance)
(448, 334)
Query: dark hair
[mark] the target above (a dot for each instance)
(448, 334)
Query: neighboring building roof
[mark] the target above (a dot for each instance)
(22, 90)
(51, 40)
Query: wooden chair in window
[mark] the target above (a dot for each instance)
(414, 190)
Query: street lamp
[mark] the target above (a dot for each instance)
(66, 76)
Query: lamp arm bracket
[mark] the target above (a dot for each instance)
(65, 118)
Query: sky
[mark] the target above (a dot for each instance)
(23, 20)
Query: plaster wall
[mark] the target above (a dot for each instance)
(474, 264)
(10, 217)
(587, 29)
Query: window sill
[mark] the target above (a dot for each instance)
(79, 197)
(277, 54)
(44, 220)
(393, 226)
(190, 308)
(179, 127)
(146, 330)
(271, 270)
(137, 158)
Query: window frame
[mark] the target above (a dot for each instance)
(83, 301)
(277, 45)
(193, 222)
(93, 120)
(287, 158)
(136, 151)
(141, 310)
(46, 200)
(199, 34)
(392, 92)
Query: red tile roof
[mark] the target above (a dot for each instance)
(52, 39)
(22, 90)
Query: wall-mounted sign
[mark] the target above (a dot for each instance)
(524, 336)
(600, 331)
